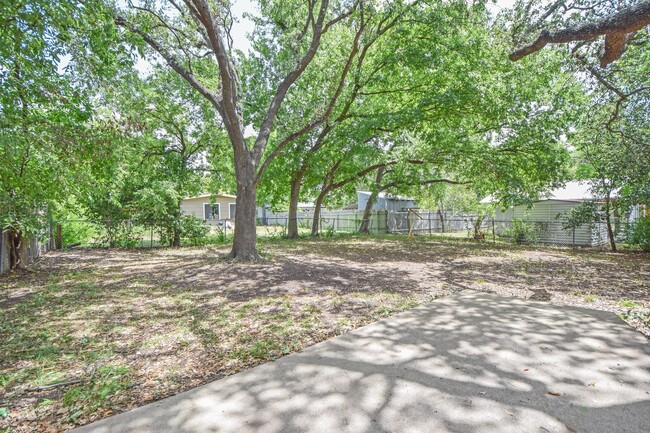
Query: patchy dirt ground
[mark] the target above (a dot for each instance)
(89, 333)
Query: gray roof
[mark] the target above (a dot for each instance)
(572, 191)
(388, 196)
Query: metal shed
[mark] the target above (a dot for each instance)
(387, 202)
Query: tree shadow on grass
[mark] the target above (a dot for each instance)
(470, 363)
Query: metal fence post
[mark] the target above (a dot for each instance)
(429, 218)
(494, 235)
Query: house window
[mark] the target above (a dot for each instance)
(232, 209)
(211, 211)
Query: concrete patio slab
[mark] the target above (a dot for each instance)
(471, 363)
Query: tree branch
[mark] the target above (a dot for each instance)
(287, 82)
(328, 111)
(172, 62)
(615, 27)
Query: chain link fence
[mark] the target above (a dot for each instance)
(474, 227)
(109, 233)
(129, 234)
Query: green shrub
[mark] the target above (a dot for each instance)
(77, 232)
(523, 232)
(638, 233)
(193, 230)
(121, 234)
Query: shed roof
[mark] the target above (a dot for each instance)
(572, 191)
(210, 195)
(388, 196)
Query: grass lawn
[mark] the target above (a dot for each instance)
(120, 328)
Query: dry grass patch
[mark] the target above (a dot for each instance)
(120, 328)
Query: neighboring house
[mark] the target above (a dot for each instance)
(210, 207)
(388, 202)
(544, 215)
(266, 216)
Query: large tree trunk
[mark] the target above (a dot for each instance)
(245, 239)
(441, 216)
(244, 245)
(16, 249)
(364, 228)
(315, 226)
(608, 221)
(292, 224)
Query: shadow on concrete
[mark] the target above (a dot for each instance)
(471, 363)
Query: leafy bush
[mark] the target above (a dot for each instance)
(77, 232)
(523, 232)
(121, 234)
(158, 206)
(638, 233)
(193, 230)
(328, 231)
(586, 213)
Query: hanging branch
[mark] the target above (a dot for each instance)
(616, 28)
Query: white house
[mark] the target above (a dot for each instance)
(544, 215)
(210, 207)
